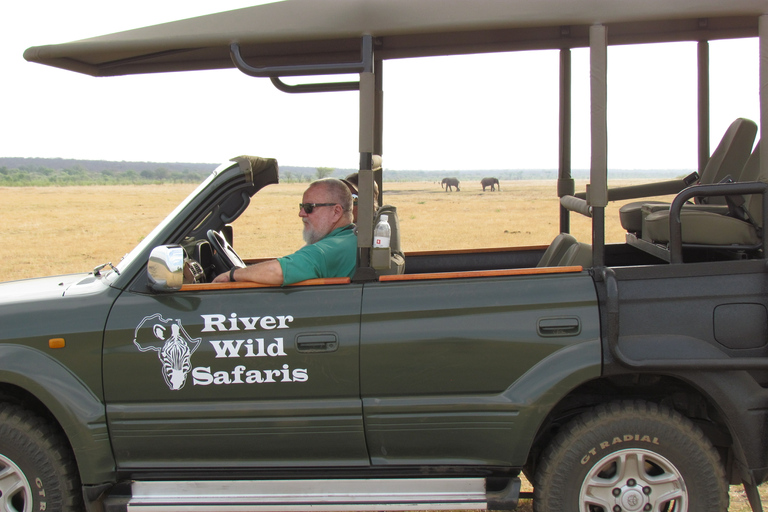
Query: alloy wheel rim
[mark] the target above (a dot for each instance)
(15, 491)
(633, 480)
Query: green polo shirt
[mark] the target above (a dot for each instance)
(333, 256)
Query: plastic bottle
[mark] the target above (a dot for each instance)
(382, 233)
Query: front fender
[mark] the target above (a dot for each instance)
(78, 410)
(544, 385)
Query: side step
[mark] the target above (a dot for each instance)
(314, 495)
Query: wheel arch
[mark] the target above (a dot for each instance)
(43, 385)
(672, 391)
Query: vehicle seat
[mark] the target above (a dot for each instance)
(397, 259)
(579, 254)
(729, 158)
(704, 227)
(557, 250)
(566, 251)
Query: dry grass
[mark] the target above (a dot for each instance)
(48, 231)
(56, 230)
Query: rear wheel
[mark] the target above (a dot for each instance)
(37, 471)
(630, 457)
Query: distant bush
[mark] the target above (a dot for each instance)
(44, 177)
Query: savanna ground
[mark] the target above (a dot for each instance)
(58, 230)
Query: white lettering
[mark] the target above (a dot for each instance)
(236, 373)
(276, 349)
(221, 378)
(253, 377)
(284, 321)
(212, 321)
(218, 322)
(201, 376)
(286, 373)
(268, 323)
(222, 347)
(249, 323)
(261, 353)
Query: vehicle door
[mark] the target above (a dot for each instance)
(235, 377)
(452, 369)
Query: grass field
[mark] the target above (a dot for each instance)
(55, 230)
(58, 230)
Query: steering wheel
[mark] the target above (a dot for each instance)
(224, 256)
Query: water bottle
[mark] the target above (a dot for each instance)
(382, 233)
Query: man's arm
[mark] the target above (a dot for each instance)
(266, 272)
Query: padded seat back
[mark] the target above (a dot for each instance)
(729, 158)
(566, 251)
(557, 250)
(704, 226)
(578, 254)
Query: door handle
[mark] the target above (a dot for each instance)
(558, 326)
(310, 343)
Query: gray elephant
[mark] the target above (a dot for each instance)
(447, 183)
(490, 182)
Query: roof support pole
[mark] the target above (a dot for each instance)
(763, 33)
(565, 185)
(703, 79)
(378, 122)
(367, 145)
(597, 191)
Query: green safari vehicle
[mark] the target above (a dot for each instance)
(616, 377)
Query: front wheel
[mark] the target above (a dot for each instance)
(630, 457)
(37, 471)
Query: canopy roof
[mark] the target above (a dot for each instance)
(328, 31)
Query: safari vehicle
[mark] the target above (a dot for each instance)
(617, 377)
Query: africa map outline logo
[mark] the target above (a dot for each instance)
(174, 350)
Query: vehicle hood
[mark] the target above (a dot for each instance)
(41, 288)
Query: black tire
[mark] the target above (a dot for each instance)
(37, 471)
(633, 455)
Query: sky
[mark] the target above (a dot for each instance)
(448, 113)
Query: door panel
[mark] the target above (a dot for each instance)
(437, 357)
(249, 377)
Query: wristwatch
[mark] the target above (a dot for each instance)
(232, 274)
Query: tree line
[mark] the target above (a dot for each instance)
(24, 172)
(42, 176)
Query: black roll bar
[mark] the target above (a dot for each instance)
(715, 189)
(364, 65)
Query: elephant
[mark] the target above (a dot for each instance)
(447, 183)
(490, 182)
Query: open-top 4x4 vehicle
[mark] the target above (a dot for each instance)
(625, 376)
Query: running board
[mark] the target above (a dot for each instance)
(314, 495)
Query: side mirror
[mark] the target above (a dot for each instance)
(165, 268)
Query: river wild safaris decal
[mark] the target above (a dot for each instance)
(174, 347)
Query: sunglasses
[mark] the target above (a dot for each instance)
(310, 207)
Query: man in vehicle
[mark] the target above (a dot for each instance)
(331, 250)
(351, 182)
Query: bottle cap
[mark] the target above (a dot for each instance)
(383, 218)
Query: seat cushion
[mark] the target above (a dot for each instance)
(631, 217)
(700, 227)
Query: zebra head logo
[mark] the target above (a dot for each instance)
(173, 345)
